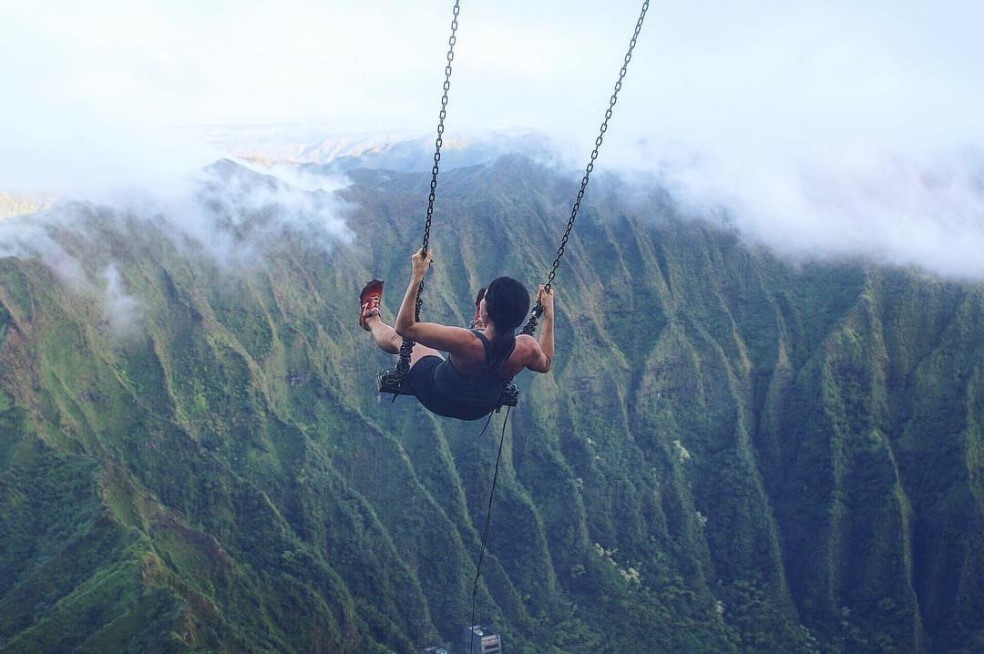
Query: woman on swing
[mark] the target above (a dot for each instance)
(481, 361)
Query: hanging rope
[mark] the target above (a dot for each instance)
(488, 524)
(406, 349)
(530, 326)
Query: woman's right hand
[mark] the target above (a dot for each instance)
(421, 261)
(545, 298)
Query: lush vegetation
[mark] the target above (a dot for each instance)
(732, 453)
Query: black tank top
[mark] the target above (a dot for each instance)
(481, 389)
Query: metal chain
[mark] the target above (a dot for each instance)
(531, 324)
(406, 349)
(440, 125)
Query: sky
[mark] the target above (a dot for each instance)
(888, 70)
(771, 102)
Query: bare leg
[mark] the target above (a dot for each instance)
(384, 335)
(421, 351)
(389, 341)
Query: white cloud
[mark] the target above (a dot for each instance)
(122, 311)
(27, 237)
(238, 215)
(899, 209)
(235, 216)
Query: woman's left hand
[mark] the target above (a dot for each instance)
(422, 262)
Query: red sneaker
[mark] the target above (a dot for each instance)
(477, 322)
(370, 298)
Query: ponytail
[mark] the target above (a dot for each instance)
(503, 345)
(507, 302)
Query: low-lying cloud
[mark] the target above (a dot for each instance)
(238, 213)
(121, 311)
(914, 210)
(235, 214)
(815, 197)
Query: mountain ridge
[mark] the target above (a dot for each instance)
(726, 455)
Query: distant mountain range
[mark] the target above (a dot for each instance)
(317, 148)
(16, 204)
(732, 453)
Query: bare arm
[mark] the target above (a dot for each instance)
(430, 334)
(544, 357)
(406, 318)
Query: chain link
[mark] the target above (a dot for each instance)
(597, 148)
(406, 349)
(439, 141)
(531, 324)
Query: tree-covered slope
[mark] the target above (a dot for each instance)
(732, 452)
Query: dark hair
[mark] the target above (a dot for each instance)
(507, 302)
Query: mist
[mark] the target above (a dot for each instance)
(918, 210)
(234, 214)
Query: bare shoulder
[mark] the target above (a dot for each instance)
(526, 343)
(532, 354)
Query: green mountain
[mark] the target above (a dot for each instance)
(732, 452)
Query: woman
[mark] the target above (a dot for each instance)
(468, 383)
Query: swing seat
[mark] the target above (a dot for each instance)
(509, 396)
(390, 381)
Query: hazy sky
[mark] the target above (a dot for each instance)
(891, 70)
(841, 88)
